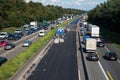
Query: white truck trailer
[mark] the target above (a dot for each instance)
(33, 24)
(90, 45)
(94, 31)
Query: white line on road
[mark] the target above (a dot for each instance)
(79, 74)
(103, 71)
(107, 49)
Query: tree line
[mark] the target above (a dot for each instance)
(107, 15)
(15, 13)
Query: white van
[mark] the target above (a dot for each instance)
(41, 33)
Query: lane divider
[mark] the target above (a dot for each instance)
(103, 71)
(109, 75)
(107, 49)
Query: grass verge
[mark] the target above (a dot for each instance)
(8, 69)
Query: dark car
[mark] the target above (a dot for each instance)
(27, 43)
(92, 56)
(100, 44)
(11, 36)
(2, 60)
(9, 46)
(110, 56)
(17, 36)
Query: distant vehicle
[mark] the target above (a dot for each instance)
(94, 30)
(110, 56)
(18, 31)
(27, 43)
(100, 44)
(2, 60)
(11, 36)
(3, 35)
(17, 37)
(41, 33)
(9, 46)
(90, 45)
(92, 57)
(3, 43)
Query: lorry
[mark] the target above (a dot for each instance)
(59, 36)
(33, 24)
(90, 45)
(94, 30)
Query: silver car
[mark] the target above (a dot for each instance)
(27, 43)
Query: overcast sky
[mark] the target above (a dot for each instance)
(76, 4)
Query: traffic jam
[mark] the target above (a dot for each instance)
(97, 53)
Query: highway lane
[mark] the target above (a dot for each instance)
(113, 67)
(18, 49)
(60, 62)
(93, 68)
(110, 68)
(2, 51)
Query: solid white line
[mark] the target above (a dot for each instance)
(118, 60)
(107, 49)
(103, 71)
(79, 74)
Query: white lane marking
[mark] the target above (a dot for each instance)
(107, 49)
(79, 74)
(118, 60)
(103, 71)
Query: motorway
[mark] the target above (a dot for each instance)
(60, 62)
(102, 69)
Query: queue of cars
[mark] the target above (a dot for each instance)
(93, 56)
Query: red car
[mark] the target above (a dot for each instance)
(3, 43)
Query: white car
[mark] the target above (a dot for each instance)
(3, 35)
(41, 33)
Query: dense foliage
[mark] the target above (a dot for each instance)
(107, 15)
(15, 13)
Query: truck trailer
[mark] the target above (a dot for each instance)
(94, 30)
(90, 45)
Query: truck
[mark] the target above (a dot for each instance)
(59, 36)
(33, 24)
(94, 31)
(90, 45)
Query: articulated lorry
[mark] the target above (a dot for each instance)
(90, 45)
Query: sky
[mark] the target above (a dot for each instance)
(74, 4)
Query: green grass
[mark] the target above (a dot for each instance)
(9, 68)
(111, 37)
(9, 30)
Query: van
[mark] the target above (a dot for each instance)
(41, 33)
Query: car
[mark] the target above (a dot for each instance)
(41, 33)
(9, 46)
(17, 36)
(18, 31)
(11, 36)
(100, 44)
(27, 43)
(92, 56)
(2, 60)
(3, 35)
(111, 56)
(3, 43)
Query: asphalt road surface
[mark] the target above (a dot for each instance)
(60, 62)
